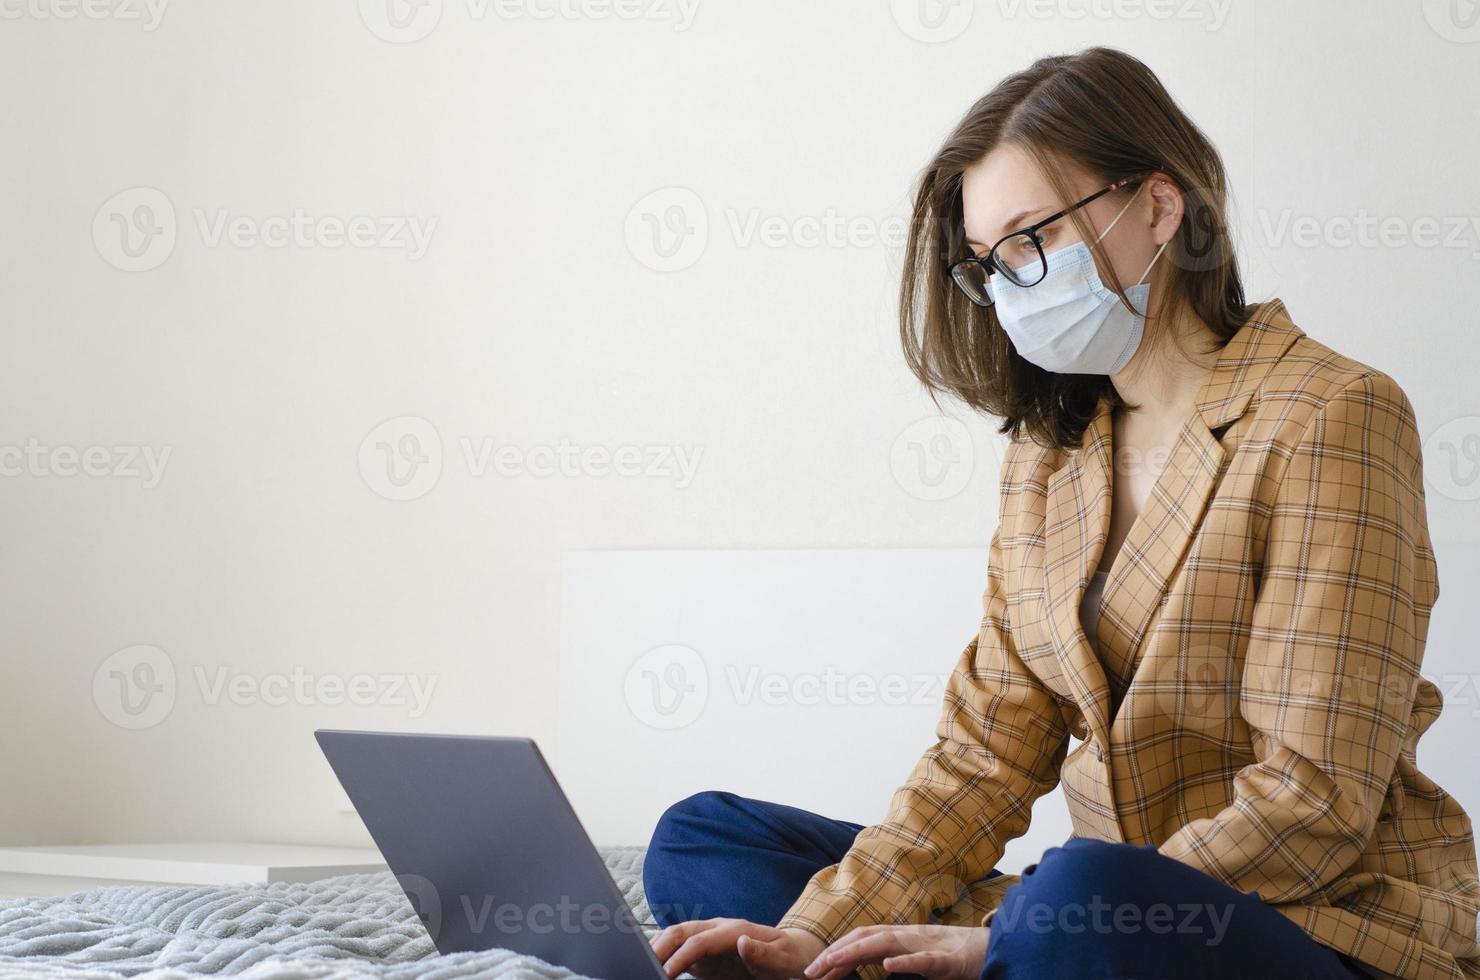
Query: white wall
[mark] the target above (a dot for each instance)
(818, 684)
(541, 314)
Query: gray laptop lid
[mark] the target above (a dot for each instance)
(487, 848)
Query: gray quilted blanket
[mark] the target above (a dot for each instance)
(352, 926)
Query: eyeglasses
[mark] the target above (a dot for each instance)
(1018, 257)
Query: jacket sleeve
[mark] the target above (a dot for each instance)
(1332, 665)
(1000, 740)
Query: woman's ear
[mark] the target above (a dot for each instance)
(1167, 207)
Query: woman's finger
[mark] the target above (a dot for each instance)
(860, 933)
(930, 964)
(714, 941)
(866, 949)
(821, 968)
(765, 958)
(709, 942)
(665, 942)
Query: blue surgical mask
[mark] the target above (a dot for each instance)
(1070, 323)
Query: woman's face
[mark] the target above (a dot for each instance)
(1005, 192)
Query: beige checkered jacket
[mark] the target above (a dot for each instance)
(1261, 632)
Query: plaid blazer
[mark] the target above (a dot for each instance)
(1255, 704)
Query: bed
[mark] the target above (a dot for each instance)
(350, 926)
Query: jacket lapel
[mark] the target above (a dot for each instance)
(1077, 522)
(1156, 548)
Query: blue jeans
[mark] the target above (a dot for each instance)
(1088, 909)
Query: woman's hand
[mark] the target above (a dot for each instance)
(937, 952)
(716, 948)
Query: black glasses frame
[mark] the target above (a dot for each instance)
(991, 264)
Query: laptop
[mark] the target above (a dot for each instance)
(488, 850)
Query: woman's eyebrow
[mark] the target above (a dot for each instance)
(1016, 221)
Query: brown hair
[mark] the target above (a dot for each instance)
(1107, 113)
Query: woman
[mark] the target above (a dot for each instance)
(1211, 572)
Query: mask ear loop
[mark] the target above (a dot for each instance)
(1153, 261)
(1155, 257)
(1143, 279)
(1117, 218)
